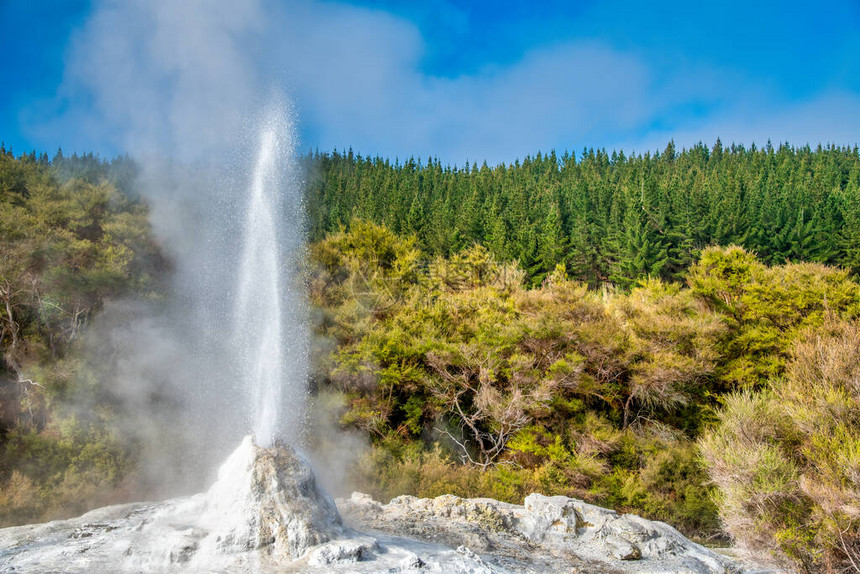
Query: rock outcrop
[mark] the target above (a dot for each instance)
(265, 513)
(544, 534)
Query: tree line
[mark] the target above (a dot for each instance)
(609, 218)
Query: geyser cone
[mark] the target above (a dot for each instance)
(268, 498)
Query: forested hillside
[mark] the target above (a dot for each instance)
(607, 217)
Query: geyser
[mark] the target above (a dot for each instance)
(270, 331)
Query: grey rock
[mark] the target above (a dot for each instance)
(348, 550)
(550, 533)
(621, 549)
(411, 562)
(548, 515)
(633, 528)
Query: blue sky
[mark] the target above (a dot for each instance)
(458, 80)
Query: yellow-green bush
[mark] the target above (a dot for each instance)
(598, 395)
(767, 308)
(786, 460)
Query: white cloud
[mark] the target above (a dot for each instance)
(181, 77)
(547, 97)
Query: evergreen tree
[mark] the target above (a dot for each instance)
(552, 243)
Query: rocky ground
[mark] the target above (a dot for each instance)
(545, 534)
(266, 514)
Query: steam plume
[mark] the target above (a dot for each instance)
(175, 83)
